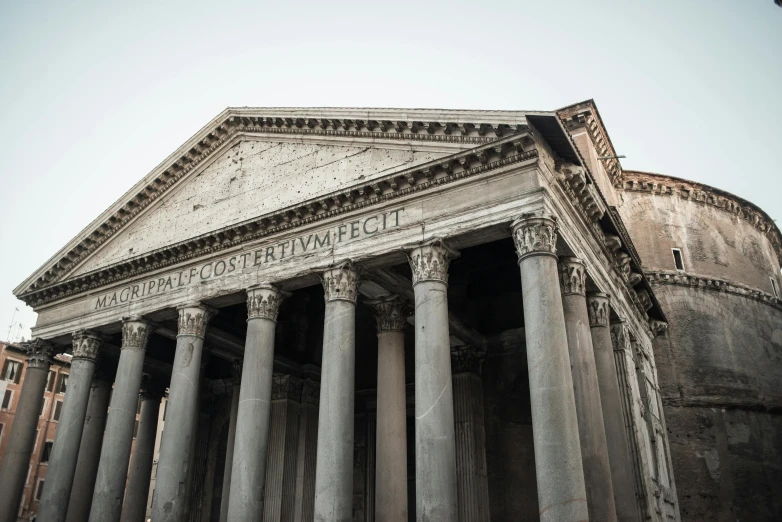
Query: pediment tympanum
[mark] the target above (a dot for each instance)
(251, 179)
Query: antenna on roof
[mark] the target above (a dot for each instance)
(615, 157)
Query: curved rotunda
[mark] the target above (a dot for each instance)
(410, 314)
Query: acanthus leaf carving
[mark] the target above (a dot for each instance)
(599, 308)
(390, 312)
(135, 332)
(535, 235)
(572, 276)
(193, 319)
(430, 261)
(340, 283)
(466, 360)
(39, 353)
(86, 345)
(263, 301)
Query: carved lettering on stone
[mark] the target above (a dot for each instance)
(390, 312)
(193, 319)
(572, 276)
(598, 306)
(86, 345)
(39, 353)
(534, 236)
(340, 283)
(263, 301)
(135, 332)
(429, 262)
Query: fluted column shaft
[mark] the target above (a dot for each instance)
(334, 469)
(391, 431)
(613, 417)
(591, 429)
(65, 450)
(169, 499)
(558, 467)
(118, 437)
(19, 449)
(435, 452)
(471, 474)
(89, 450)
(135, 507)
(279, 497)
(229, 449)
(306, 452)
(248, 471)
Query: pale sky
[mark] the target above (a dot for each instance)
(93, 95)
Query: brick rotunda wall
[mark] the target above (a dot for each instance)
(720, 363)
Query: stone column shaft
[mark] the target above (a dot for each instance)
(169, 499)
(306, 452)
(252, 426)
(229, 450)
(21, 439)
(591, 429)
(89, 451)
(435, 453)
(611, 401)
(118, 437)
(471, 474)
(390, 500)
(137, 494)
(67, 438)
(558, 467)
(334, 469)
(279, 497)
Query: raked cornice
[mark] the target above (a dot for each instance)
(46, 288)
(470, 128)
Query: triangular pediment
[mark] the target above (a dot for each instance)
(250, 162)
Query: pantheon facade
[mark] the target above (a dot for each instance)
(408, 314)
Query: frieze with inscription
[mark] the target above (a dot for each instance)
(257, 257)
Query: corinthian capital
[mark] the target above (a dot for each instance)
(466, 360)
(572, 276)
(429, 262)
(135, 332)
(263, 301)
(340, 283)
(599, 307)
(86, 344)
(39, 353)
(620, 337)
(390, 312)
(193, 319)
(534, 236)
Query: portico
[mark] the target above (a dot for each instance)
(390, 287)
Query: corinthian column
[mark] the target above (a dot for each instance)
(65, 451)
(172, 470)
(591, 430)
(334, 469)
(560, 474)
(252, 425)
(471, 475)
(435, 453)
(391, 432)
(229, 449)
(611, 400)
(118, 437)
(19, 449)
(89, 449)
(306, 452)
(137, 494)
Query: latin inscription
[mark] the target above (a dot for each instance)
(308, 243)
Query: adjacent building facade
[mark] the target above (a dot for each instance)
(393, 315)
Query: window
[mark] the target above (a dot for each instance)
(43, 407)
(47, 451)
(50, 381)
(57, 410)
(677, 259)
(12, 371)
(774, 287)
(7, 400)
(39, 490)
(62, 386)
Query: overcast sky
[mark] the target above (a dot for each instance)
(95, 94)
